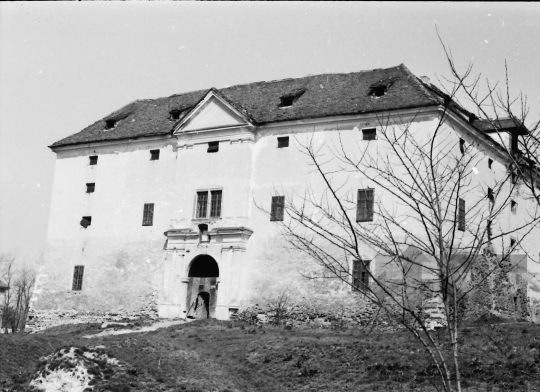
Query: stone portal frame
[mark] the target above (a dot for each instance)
(227, 246)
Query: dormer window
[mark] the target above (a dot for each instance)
(378, 91)
(213, 147)
(110, 123)
(288, 100)
(380, 88)
(175, 114)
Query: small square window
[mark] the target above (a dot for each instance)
(93, 160)
(283, 142)
(462, 146)
(91, 187)
(213, 147)
(512, 243)
(490, 163)
(489, 230)
(491, 197)
(154, 155)
(86, 221)
(369, 134)
(513, 206)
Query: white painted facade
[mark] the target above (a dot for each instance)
(125, 262)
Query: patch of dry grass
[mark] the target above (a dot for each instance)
(231, 356)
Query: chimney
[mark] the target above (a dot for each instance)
(425, 79)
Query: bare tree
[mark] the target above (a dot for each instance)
(498, 110)
(7, 272)
(416, 222)
(16, 303)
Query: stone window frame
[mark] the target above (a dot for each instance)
(208, 205)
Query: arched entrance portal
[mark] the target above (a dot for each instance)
(202, 287)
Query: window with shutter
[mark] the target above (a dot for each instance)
(78, 278)
(148, 214)
(461, 215)
(276, 212)
(364, 212)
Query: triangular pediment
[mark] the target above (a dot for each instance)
(212, 112)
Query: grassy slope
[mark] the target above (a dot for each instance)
(210, 355)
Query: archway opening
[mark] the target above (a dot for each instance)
(202, 288)
(204, 266)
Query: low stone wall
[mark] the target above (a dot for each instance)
(359, 314)
(41, 319)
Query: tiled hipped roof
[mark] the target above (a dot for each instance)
(324, 95)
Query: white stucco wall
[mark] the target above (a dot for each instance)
(125, 262)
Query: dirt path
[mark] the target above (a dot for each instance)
(153, 327)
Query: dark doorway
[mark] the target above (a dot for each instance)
(202, 287)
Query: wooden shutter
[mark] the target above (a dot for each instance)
(461, 215)
(148, 214)
(78, 277)
(360, 275)
(278, 203)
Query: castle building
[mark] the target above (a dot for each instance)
(168, 198)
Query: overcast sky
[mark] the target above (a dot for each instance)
(64, 66)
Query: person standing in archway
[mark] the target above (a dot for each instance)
(202, 305)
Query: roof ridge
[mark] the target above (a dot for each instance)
(274, 81)
(418, 84)
(329, 94)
